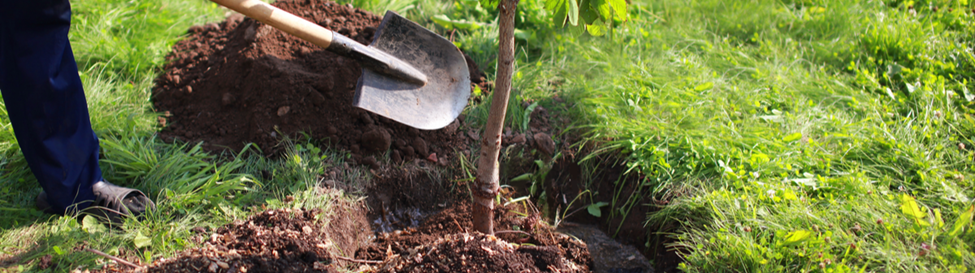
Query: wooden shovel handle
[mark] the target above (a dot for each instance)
(282, 20)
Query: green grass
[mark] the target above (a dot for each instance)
(816, 135)
(790, 135)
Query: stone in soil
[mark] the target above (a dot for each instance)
(608, 255)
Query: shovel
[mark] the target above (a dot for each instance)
(410, 74)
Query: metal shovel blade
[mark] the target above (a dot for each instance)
(431, 106)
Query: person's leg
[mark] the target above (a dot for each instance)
(45, 100)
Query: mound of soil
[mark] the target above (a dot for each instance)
(287, 240)
(241, 81)
(445, 242)
(477, 252)
(281, 240)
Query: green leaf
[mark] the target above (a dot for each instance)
(603, 9)
(572, 8)
(58, 250)
(443, 21)
(477, 90)
(141, 240)
(91, 225)
(963, 220)
(594, 208)
(704, 86)
(527, 36)
(596, 30)
(448, 23)
(560, 11)
(910, 208)
(792, 137)
(968, 95)
(560, 15)
(796, 237)
(492, 4)
(619, 9)
(589, 14)
(522, 177)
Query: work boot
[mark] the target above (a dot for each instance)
(111, 203)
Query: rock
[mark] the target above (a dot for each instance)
(518, 138)
(544, 143)
(432, 157)
(607, 254)
(452, 128)
(421, 146)
(472, 133)
(376, 140)
(283, 110)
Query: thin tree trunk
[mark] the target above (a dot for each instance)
(486, 186)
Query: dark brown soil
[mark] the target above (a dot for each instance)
(287, 240)
(280, 240)
(241, 81)
(445, 242)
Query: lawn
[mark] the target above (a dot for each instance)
(785, 135)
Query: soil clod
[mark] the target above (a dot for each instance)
(544, 143)
(376, 140)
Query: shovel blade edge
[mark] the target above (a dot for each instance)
(431, 106)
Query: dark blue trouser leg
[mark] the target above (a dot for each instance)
(45, 100)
